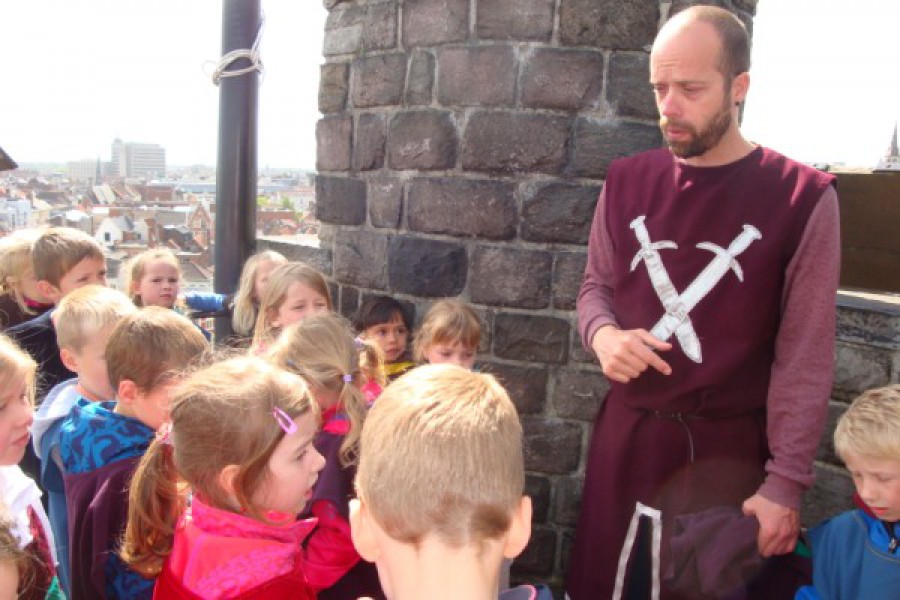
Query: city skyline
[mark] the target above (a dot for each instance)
(823, 86)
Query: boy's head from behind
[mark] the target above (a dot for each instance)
(145, 356)
(441, 463)
(84, 321)
(65, 259)
(867, 438)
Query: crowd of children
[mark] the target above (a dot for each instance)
(326, 459)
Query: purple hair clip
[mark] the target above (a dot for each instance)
(284, 421)
(348, 378)
(357, 341)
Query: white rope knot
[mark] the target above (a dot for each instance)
(252, 54)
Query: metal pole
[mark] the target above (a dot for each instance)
(236, 165)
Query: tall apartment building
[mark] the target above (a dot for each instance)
(130, 159)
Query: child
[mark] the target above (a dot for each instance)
(241, 441)
(20, 298)
(101, 442)
(12, 559)
(855, 555)
(382, 320)
(153, 278)
(322, 350)
(294, 291)
(254, 277)
(19, 495)
(440, 483)
(85, 320)
(449, 333)
(63, 259)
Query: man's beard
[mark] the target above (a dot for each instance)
(698, 143)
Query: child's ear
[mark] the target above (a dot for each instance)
(226, 478)
(362, 532)
(519, 529)
(69, 360)
(128, 392)
(49, 291)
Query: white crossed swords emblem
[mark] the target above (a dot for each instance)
(677, 318)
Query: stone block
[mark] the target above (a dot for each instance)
(486, 321)
(334, 82)
(565, 550)
(825, 451)
(315, 256)
(562, 79)
(511, 142)
(551, 446)
(385, 196)
(510, 277)
(538, 489)
(608, 24)
(577, 351)
(568, 500)
(359, 258)
(333, 139)
(426, 267)
(831, 495)
(340, 200)
(867, 321)
(349, 301)
(368, 147)
(858, 368)
(477, 76)
(422, 140)
(378, 80)
(568, 273)
(355, 29)
(420, 79)
(558, 212)
(628, 91)
(531, 338)
(526, 386)
(579, 394)
(434, 22)
(514, 20)
(463, 207)
(599, 142)
(539, 556)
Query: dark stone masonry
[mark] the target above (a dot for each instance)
(461, 152)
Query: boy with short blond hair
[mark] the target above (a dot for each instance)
(439, 483)
(145, 355)
(85, 320)
(855, 555)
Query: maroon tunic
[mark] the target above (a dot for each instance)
(696, 439)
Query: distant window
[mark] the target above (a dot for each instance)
(107, 236)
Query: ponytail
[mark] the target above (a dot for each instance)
(156, 500)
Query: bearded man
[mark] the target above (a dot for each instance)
(709, 300)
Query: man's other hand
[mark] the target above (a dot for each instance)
(625, 354)
(779, 525)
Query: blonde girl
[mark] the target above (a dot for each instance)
(20, 296)
(241, 440)
(19, 495)
(153, 278)
(254, 277)
(323, 351)
(294, 291)
(450, 333)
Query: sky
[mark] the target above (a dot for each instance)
(825, 82)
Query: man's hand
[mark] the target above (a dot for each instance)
(779, 525)
(624, 355)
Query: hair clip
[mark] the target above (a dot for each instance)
(284, 421)
(357, 341)
(164, 434)
(348, 378)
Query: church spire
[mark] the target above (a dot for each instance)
(893, 151)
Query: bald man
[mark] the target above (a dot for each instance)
(708, 299)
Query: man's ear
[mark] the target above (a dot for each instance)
(739, 88)
(362, 532)
(519, 529)
(69, 360)
(49, 291)
(128, 392)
